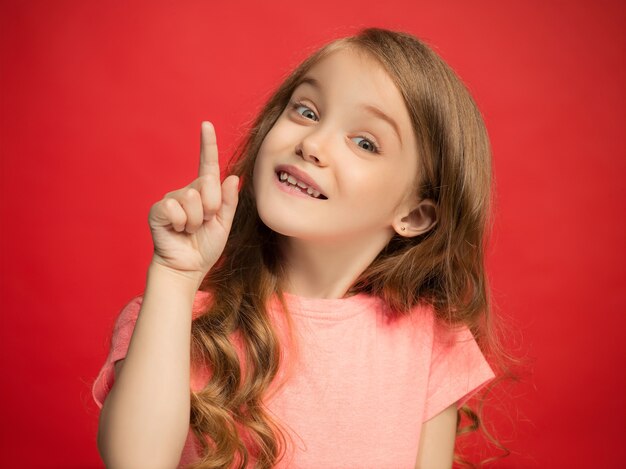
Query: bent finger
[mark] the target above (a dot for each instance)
(210, 195)
(171, 212)
(192, 205)
(230, 198)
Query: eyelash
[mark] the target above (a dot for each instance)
(376, 149)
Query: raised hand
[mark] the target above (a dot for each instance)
(190, 226)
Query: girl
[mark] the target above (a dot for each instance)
(332, 305)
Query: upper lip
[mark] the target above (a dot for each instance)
(301, 175)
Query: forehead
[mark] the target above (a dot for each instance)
(355, 70)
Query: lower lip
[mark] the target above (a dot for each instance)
(290, 190)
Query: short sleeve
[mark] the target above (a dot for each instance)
(120, 339)
(458, 369)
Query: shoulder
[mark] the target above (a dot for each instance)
(452, 338)
(417, 322)
(421, 322)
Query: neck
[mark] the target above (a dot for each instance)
(316, 270)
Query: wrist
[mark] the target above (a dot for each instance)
(161, 274)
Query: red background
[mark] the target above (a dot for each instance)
(101, 104)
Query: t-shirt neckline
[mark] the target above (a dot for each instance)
(329, 308)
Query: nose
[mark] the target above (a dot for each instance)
(310, 148)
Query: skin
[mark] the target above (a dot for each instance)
(370, 195)
(145, 419)
(436, 447)
(368, 200)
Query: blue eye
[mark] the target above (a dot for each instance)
(308, 110)
(369, 145)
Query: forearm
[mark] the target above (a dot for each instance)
(145, 418)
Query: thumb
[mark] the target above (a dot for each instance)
(230, 197)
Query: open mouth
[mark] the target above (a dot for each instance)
(288, 180)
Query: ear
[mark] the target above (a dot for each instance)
(418, 221)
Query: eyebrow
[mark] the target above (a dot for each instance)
(372, 110)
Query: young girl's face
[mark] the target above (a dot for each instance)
(334, 137)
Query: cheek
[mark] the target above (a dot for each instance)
(276, 136)
(377, 194)
(374, 183)
(260, 168)
(263, 155)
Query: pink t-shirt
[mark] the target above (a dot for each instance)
(360, 385)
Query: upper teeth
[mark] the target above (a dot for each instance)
(292, 180)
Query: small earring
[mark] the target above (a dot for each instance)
(403, 228)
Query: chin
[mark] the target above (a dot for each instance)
(281, 224)
(307, 231)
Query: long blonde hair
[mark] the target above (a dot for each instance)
(443, 267)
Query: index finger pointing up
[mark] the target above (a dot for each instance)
(209, 163)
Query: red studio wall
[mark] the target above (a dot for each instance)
(101, 104)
